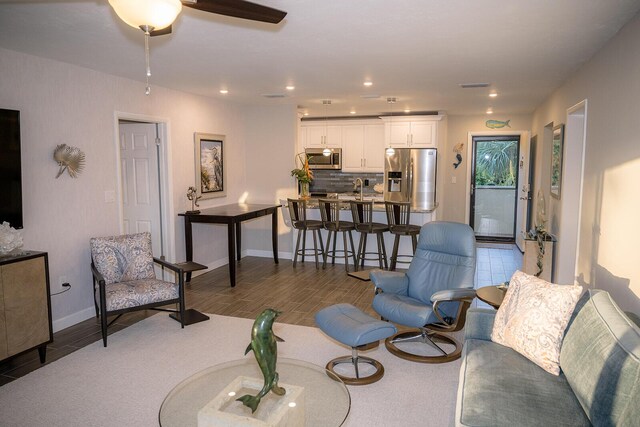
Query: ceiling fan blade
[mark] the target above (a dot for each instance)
(161, 32)
(238, 9)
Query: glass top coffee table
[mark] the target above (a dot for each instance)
(327, 401)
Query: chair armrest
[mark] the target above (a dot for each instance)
(96, 275)
(453, 295)
(169, 265)
(390, 282)
(479, 324)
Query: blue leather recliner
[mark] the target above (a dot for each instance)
(433, 295)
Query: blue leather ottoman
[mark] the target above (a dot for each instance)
(350, 326)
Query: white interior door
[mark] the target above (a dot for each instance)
(524, 193)
(140, 181)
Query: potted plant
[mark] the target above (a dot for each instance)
(303, 174)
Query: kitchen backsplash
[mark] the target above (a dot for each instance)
(332, 181)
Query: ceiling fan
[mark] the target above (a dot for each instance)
(154, 17)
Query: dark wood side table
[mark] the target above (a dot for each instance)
(232, 216)
(492, 295)
(191, 315)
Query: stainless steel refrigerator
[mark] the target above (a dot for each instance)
(410, 176)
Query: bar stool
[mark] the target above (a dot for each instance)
(330, 212)
(299, 221)
(398, 217)
(363, 221)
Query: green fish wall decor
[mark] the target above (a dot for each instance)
(497, 124)
(264, 347)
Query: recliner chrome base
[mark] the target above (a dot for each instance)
(427, 337)
(355, 359)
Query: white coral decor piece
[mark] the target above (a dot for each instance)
(10, 238)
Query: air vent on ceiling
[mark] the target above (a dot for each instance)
(274, 95)
(370, 96)
(473, 85)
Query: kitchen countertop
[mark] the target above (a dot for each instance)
(378, 203)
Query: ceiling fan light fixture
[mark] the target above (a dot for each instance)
(156, 14)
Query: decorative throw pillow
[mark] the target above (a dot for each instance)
(123, 258)
(533, 317)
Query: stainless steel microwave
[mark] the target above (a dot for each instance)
(319, 160)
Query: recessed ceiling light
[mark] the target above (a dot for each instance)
(368, 83)
(489, 111)
(352, 112)
(493, 94)
(224, 91)
(290, 87)
(406, 110)
(306, 113)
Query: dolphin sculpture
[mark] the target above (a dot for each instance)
(263, 344)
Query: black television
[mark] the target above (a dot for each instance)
(10, 169)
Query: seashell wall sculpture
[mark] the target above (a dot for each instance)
(70, 159)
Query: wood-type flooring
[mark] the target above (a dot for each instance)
(298, 292)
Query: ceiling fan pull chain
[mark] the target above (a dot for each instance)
(146, 59)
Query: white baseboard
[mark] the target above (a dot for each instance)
(73, 319)
(267, 254)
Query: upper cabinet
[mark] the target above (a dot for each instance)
(362, 141)
(321, 135)
(412, 131)
(363, 147)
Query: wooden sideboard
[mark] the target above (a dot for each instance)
(25, 304)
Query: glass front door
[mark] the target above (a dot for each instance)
(494, 184)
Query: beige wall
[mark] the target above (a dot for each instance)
(609, 230)
(271, 134)
(455, 195)
(61, 103)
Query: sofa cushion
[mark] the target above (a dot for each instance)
(135, 293)
(500, 387)
(533, 317)
(601, 359)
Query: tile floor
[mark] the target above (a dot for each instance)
(495, 264)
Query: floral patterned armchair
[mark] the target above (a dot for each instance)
(124, 278)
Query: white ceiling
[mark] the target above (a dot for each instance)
(415, 50)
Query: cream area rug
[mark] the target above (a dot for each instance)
(125, 383)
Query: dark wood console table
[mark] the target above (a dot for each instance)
(232, 215)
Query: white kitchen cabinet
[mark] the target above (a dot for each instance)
(321, 135)
(412, 132)
(352, 143)
(373, 148)
(424, 134)
(363, 147)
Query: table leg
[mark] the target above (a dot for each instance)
(232, 251)
(274, 234)
(188, 242)
(238, 226)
